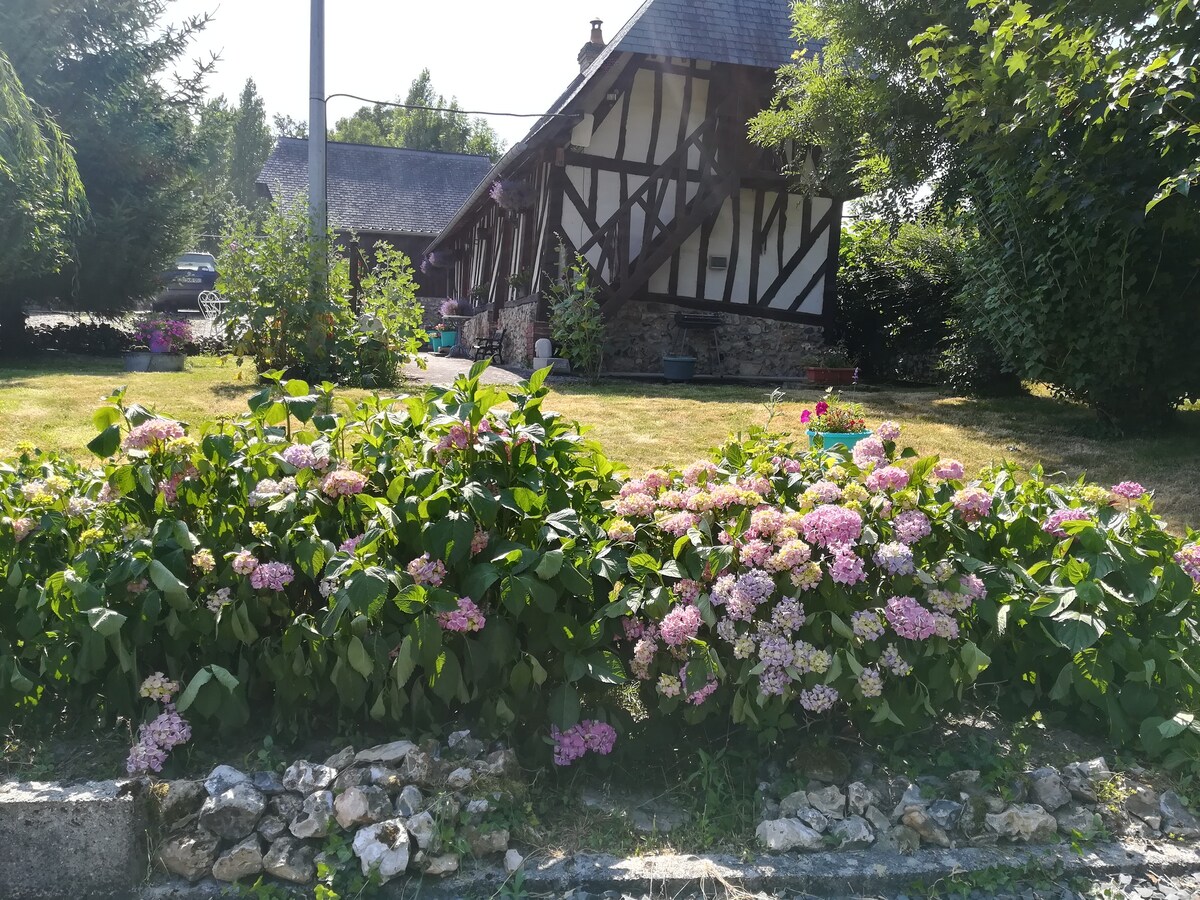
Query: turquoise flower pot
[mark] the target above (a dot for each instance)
(829, 439)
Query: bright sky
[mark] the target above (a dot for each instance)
(514, 57)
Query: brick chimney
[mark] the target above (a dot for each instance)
(593, 47)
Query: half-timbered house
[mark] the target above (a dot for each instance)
(643, 167)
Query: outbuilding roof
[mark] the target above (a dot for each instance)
(381, 190)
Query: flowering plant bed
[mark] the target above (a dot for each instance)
(833, 416)
(162, 335)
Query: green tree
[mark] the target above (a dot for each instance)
(102, 71)
(286, 126)
(1047, 132)
(429, 128)
(251, 145)
(41, 198)
(1085, 281)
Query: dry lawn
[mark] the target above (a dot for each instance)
(50, 404)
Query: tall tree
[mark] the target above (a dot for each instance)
(251, 145)
(41, 198)
(286, 126)
(101, 69)
(1061, 129)
(430, 122)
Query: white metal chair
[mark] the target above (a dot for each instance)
(211, 304)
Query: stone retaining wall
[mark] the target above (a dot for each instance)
(642, 333)
(521, 329)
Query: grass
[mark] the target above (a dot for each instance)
(49, 402)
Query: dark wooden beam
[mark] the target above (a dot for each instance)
(738, 309)
(810, 239)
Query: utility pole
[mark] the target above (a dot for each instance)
(318, 210)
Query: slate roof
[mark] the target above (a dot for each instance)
(746, 32)
(379, 189)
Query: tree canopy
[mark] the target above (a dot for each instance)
(41, 197)
(420, 129)
(1062, 137)
(102, 72)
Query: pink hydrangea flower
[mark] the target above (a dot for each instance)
(1055, 521)
(1189, 560)
(911, 526)
(158, 687)
(585, 737)
(22, 527)
(351, 544)
(697, 697)
(204, 561)
(869, 451)
(343, 483)
(889, 431)
(427, 571)
(467, 617)
(244, 563)
(847, 568)
(889, 478)
(641, 506)
(479, 542)
(680, 625)
(909, 619)
(152, 433)
(832, 526)
(698, 471)
(1130, 490)
(948, 470)
(679, 524)
(972, 503)
(272, 576)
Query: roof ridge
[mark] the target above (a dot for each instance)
(329, 143)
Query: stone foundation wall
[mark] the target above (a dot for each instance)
(521, 329)
(642, 333)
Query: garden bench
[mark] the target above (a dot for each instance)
(492, 347)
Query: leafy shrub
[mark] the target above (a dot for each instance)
(900, 308)
(274, 317)
(110, 339)
(576, 323)
(415, 559)
(1091, 613)
(771, 576)
(896, 290)
(776, 574)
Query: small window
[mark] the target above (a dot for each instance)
(718, 262)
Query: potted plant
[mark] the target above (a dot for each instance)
(833, 366)
(832, 422)
(137, 359)
(165, 338)
(521, 282)
(513, 194)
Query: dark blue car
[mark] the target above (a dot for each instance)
(193, 274)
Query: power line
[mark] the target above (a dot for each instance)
(464, 112)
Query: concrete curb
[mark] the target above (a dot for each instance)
(828, 875)
(86, 840)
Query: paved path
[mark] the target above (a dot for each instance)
(443, 370)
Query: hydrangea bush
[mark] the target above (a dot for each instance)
(777, 581)
(466, 553)
(412, 559)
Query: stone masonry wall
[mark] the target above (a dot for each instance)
(518, 320)
(642, 333)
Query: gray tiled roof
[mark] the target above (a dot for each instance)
(746, 32)
(379, 189)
